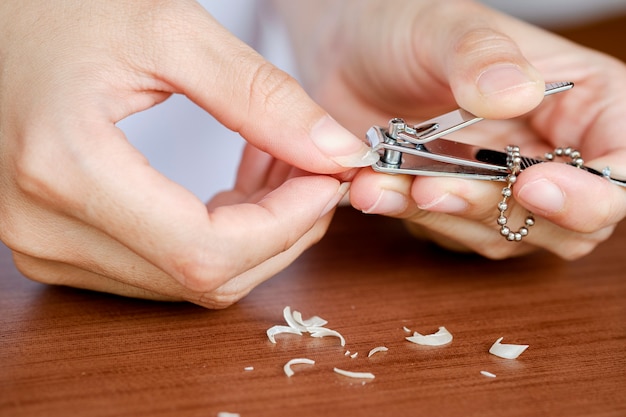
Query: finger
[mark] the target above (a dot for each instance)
(484, 67)
(113, 261)
(238, 287)
(58, 273)
(258, 174)
(463, 235)
(253, 97)
(456, 214)
(570, 197)
(148, 282)
(434, 208)
(259, 171)
(472, 221)
(375, 193)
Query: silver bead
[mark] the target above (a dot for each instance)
(502, 220)
(575, 154)
(504, 231)
(518, 236)
(511, 236)
(503, 206)
(529, 221)
(523, 231)
(506, 191)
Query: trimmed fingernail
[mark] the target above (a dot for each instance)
(446, 203)
(543, 196)
(338, 144)
(388, 202)
(341, 192)
(500, 78)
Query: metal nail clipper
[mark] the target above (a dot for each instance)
(421, 150)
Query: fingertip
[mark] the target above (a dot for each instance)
(343, 189)
(554, 191)
(490, 77)
(501, 90)
(543, 196)
(507, 90)
(341, 146)
(375, 193)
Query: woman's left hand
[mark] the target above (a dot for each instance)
(418, 59)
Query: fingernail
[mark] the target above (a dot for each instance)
(388, 202)
(543, 196)
(500, 78)
(446, 203)
(341, 192)
(340, 145)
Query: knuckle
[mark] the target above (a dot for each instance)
(30, 175)
(201, 272)
(37, 174)
(483, 41)
(33, 269)
(221, 299)
(496, 251)
(577, 250)
(270, 88)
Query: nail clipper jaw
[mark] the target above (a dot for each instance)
(437, 158)
(384, 142)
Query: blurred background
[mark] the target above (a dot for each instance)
(600, 24)
(559, 13)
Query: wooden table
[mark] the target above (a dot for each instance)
(67, 352)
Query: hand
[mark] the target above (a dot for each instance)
(79, 206)
(418, 59)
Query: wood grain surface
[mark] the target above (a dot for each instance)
(67, 352)
(71, 352)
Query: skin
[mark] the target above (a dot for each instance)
(79, 206)
(418, 59)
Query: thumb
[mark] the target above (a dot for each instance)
(485, 68)
(251, 96)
